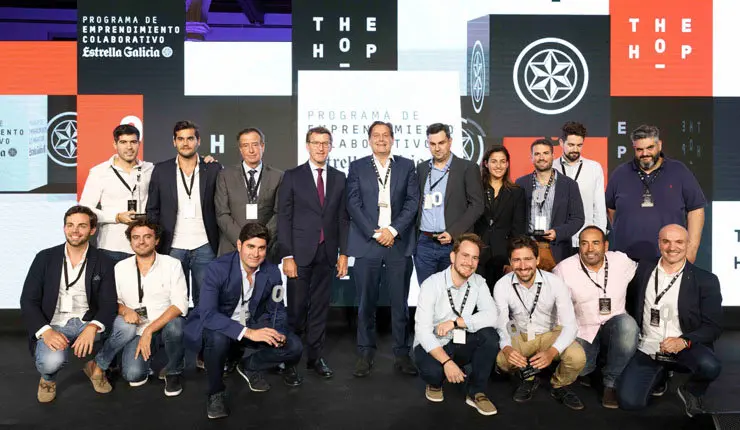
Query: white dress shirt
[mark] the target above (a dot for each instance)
(257, 175)
(384, 196)
(163, 285)
(434, 308)
(190, 233)
(105, 189)
(651, 337)
(553, 306)
(247, 290)
(591, 185)
(71, 303)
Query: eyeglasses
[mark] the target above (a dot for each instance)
(316, 144)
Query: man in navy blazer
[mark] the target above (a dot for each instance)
(677, 307)
(69, 296)
(181, 194)
(382, 201)
(238, 310)
(312, 226)
(554, 206)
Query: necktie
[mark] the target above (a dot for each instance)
(251, 179)
(320, 189)
(252, 193)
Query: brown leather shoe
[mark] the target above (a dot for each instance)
(100, 383)
(609, 399)
(47, 391)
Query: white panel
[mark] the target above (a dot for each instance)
(726, 249)
(725, 56)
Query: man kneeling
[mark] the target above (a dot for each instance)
(444, 313)
(237, 311)
(152, 297)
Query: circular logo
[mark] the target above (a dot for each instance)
(136, 122)
(550, 76)
(12, 152)
(166, 52)
(62, 139)
(477, 77)
(473, 141)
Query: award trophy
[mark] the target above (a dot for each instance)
(528, 371)
(135, 204)
(278, 292)
(666, 313)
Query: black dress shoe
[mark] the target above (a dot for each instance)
(567, 397)
(363, 367)
(216, 407)
(405, 366)
(320, 367)
(291, 377)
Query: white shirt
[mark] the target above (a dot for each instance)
(554, 304)
(434, 308)
(74, 299)
(651, 337)
(591, 185)
(190, 233)
(384, 196)
(105, 189)
(247, 290)
(163, 285)
(257, 176)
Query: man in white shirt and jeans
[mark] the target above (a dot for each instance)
(449, 334)
(152, 299)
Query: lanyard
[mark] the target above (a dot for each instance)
(536, 297)
(138, 278)
(541, 204)
(647, 179)
(578, 172)
(123, 181)
(429, 177)
(384, 182)
(251, 192)
(606, 274)
(66, 276)
(192, 182)
(660, 296)
(462, 305)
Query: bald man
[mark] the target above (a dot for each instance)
(677, 307)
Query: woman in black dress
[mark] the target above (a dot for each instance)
(504, 215)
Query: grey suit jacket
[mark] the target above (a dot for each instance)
(231, 203)
(463, 195)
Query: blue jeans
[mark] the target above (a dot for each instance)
(643, 373)
(430, 257)
(195, 261)
(49, 362)
(116, 256)
(619, 337)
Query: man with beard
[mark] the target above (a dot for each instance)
(69, 296)
(588, 174)
(542, 326)
(554, 206)
(455, 325)
(656, 190)
(152, 298)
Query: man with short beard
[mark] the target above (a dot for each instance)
(455, 325)
(656, 190)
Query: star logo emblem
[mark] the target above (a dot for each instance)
(62, 139)
(552, 76)
(473, 141)
(477, 76)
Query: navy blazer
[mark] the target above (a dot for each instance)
(699, 301)
(301, 217)
(41, 290)
(567, 212)
(161, 208)
(221, 292)
(362, 204)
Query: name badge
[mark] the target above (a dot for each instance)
(654, 317)
(131, 204)
(251, 210)
(540, 222)
(188, 209)
(65, 303)
(428, 201)
(647, 200)
(383, 204)
(605, 305)
(243, 316)
(458, 336)
(141, 312)
(530, 332)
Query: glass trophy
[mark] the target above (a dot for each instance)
(278, 293)
(666, 313)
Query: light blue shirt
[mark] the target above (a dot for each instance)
(433, 220)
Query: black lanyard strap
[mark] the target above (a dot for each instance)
(251, 191)
(536, 296)
(383, 182)
(429, 177)
(462, 305)
(66, 275)
(541, 204)
(578, 172)
(660, 296)
(141, 289)
(123, 181)
(189, 191)
(606, 274)
(648, 179)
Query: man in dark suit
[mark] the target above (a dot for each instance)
(239, 311)
(68, 298)
(181, 194)
(554, 206)
(451, 202)
(677, 307)
(312, 226)
(247, 192)
(382, 208)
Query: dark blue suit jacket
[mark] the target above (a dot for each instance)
(41, 290)
(301, 217)
(567, 212)
(161, 208)
(699, 301)
(362, 204)
(221, 292)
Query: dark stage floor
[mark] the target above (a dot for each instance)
(384, 400)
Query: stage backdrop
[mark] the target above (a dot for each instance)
(497, 71)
